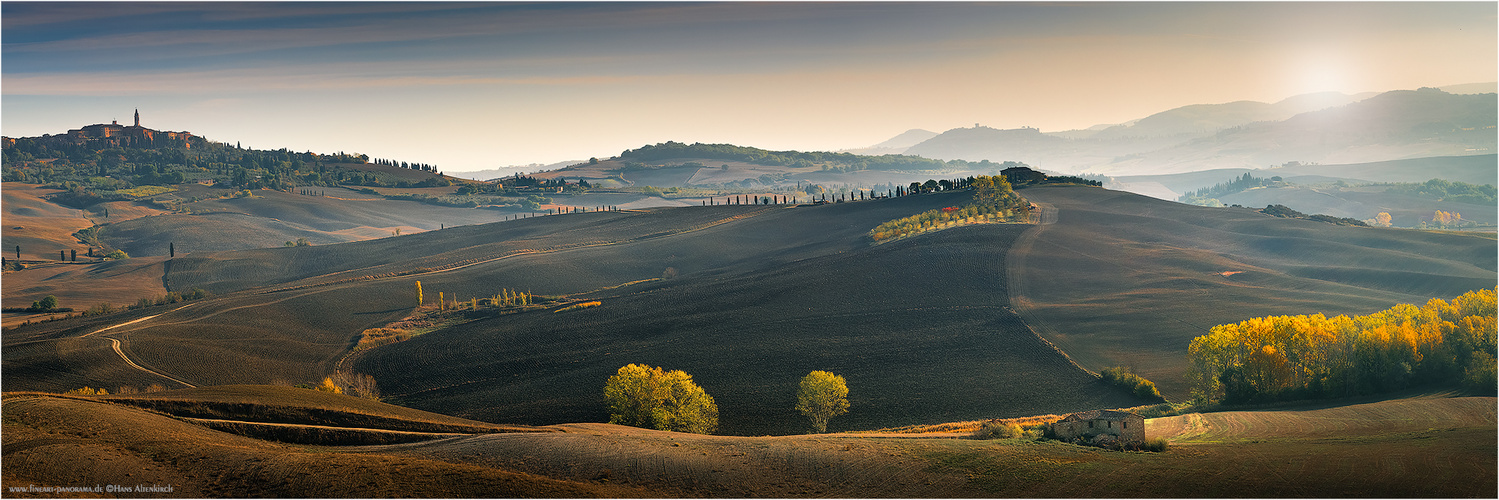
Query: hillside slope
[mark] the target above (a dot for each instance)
(1120, 278)
(925, 329)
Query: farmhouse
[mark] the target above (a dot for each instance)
(1022, 175)
(1101, 425)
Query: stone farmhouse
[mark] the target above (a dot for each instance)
(1098, 426)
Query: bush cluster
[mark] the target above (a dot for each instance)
(1139, 386)
(582, 305)
(169, 298)
(376, 337)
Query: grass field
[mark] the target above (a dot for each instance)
(1417, 447)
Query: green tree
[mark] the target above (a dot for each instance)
(47, 303)
(822, 396)
(991, 190)
(650, 397)
(419, 293)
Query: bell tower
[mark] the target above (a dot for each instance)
(137, 117)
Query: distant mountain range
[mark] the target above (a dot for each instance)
(897, 144)
(1325, 127)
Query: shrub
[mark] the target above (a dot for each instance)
(1158, 411)
(329, 386)
(376, 337)
(357, 384)
(87, 391)
(155, 388)
(1122, 377)
(999, 430)
(116, 255)
(1156, 445)
(100, 308)
(583, 305)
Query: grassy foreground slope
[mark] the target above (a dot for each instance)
(1439, 447)
(55, 441)
(1118, 278)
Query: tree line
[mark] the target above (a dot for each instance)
(1445, 190)
(1297, 357)
(992, 197)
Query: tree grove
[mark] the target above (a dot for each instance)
(1293, 357)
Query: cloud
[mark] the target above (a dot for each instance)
(258, 80)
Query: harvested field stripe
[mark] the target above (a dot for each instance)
(120, 325)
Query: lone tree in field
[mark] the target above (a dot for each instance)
(649, 397)
(822, 396)
(418, 293)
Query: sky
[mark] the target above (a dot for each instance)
(475, 85)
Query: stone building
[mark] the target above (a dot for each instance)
(1020, 176)
(115, 135)
(1101, 425)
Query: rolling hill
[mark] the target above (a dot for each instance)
(936, 327)
(1361, 204)
(1392, 125)
(1124, 279)
(1308, 129)
(1472, 169)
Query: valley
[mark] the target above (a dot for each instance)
(244, 322)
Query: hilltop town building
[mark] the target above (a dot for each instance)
(114, 135)
(1100, 425)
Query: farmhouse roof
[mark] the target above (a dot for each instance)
(1098, 415)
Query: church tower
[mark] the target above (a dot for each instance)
(137, 117)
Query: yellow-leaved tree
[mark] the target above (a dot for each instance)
(822, 396)
(650, 397)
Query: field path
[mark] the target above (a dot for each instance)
(1015, 267)
(115, 344)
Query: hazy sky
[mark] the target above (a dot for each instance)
(469, 86)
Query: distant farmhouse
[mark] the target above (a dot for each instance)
(1022, 175)
(1098, 426)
